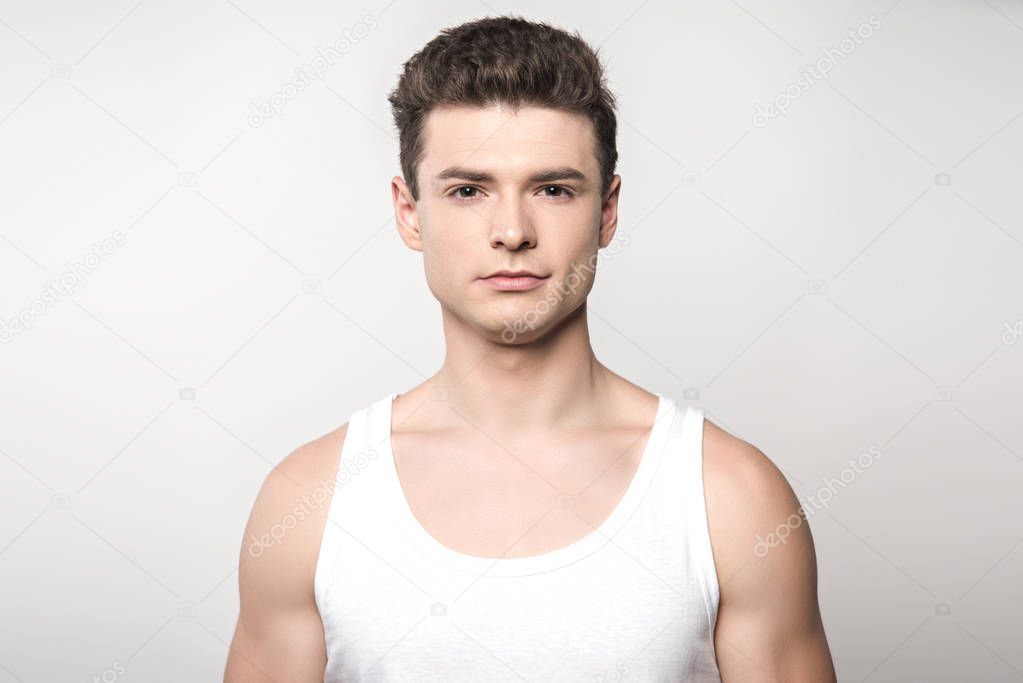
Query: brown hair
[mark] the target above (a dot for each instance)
(503, 60)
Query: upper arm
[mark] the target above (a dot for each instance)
(279, 635)
(769, 626)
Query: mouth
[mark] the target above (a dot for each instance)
(514, 280)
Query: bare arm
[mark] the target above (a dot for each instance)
(769, 624)
(279, 635)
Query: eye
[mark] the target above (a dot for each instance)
(465, 193)
(564, 191)
(459, 195)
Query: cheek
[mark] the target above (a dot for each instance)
(450, 254)
(578, 231)
(577, 247)
(577, 261)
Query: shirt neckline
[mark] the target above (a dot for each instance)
(427, 545)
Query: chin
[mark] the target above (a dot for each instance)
(522, 324)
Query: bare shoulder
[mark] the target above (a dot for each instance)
(312, 459)
(279, 634)
(291, 506)
(725, 452)
(748, 497)
(769, 626)
(738, 472)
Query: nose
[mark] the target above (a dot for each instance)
(512, 227)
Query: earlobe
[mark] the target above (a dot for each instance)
(406, 216)
(609, 212)
(607, 233)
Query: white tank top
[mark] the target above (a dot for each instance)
(634, 600)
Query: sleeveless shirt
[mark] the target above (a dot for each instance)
(634, 600)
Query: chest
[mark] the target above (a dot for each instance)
(486, 500)
(607, 618)
(406, 589)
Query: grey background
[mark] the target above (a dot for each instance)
(816, 284)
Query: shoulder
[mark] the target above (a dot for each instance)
(285, 525)
(309, 461)
(279, 632)
(769, 623)
(739, 469)
(750, 506)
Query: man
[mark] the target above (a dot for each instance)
(525, 513)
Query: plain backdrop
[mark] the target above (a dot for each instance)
(843, 276)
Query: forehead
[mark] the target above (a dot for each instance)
(505, 141)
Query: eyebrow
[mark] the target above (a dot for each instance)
(543, 176)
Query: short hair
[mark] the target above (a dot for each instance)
(503, 60)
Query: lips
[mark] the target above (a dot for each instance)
(516, 273)
(514, 280)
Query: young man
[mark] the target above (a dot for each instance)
(525, 513)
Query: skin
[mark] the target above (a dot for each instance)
(561, 423)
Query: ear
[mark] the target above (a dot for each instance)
(609, 212)
(406, 217)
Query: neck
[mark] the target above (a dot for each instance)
(555, 380)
